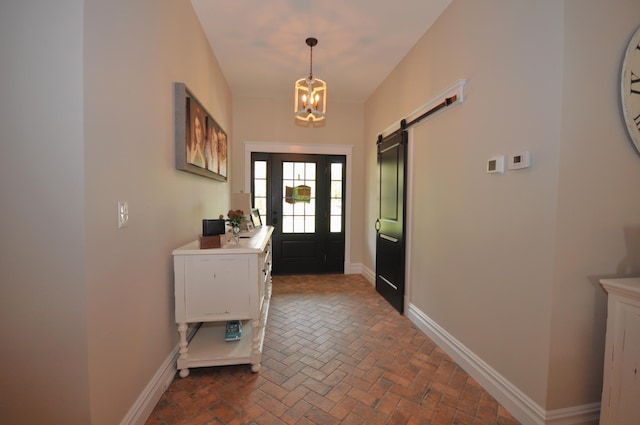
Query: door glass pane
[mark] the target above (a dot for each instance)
(336, 171)
(298, 197)
(260, 169)
(310, 171)
(309, 224)
(336, 208)
(309, 208)
(261, 205)
(287, 171)
(260, 188)
(299, 209)
(336, 189)
(287, 209)
(336, 224)
(298, 224)
(335, 201)
(287, 224)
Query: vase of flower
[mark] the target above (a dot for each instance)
(236, 233)
(234, 218)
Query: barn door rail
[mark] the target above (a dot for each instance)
(451, 96)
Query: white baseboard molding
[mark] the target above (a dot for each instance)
(142, 408)
(352, 268)
(144, 405)
(508, 395)
(587, 414)
(368, 274)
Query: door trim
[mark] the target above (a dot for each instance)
(277, 147)
(408, 221)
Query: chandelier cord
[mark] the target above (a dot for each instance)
(311, 64)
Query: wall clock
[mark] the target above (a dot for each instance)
(630, 89)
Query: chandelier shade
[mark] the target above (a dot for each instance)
(310, 93)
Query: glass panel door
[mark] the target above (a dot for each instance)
(304, 203)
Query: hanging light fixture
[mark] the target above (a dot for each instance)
(311, 93)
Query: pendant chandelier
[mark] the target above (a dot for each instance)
(311, 93)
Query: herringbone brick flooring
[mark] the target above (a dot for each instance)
(335, 353)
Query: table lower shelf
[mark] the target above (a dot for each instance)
(209, 348)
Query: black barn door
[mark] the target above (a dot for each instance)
(390, 246)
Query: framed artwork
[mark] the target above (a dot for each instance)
(200, 142)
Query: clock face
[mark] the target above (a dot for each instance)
(630, 86)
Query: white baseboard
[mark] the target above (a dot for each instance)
(508, 395)
(142, 408)
(359, 268)
(587, 414)
(368, 274)
(144, 405)
(352, 268)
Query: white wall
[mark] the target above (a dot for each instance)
(509, 264)
(87, 121)
(43, 296)
(598, 203)
(134, 51)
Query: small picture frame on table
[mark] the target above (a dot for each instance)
(255, 218)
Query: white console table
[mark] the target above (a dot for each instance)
(621, 381)
(215, 285)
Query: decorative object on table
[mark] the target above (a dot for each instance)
(233, 331)
(242, 201)
(630, 89)
(234, 218)
(255, 218)
(212, 227)
(208, 242)
(200, 142)
(310, 93)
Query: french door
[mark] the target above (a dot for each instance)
(390, 239)
(302, 197)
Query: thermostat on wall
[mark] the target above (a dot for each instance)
(495, 165)
(519, 160)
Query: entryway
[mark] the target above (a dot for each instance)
(303, 197)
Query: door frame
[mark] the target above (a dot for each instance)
(346, 150)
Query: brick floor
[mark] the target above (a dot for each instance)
(334, 353)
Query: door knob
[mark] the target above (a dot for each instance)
(377, 224)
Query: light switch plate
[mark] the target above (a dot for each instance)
(123, 214)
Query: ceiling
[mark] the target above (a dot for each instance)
(261, 48)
